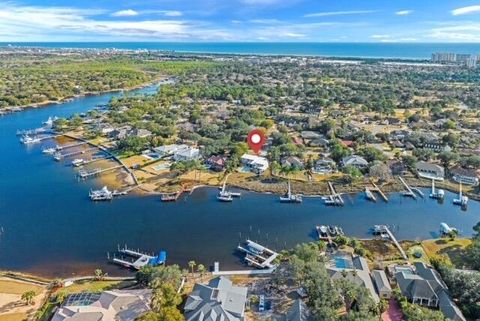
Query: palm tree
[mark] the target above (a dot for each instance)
(321, 246)
(28, 297)
(192, 265)
(98, 274)
(201, 269)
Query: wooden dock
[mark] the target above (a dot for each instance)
(93, 160)
(86, 174)
(409, 192)
(385, 229)
(336, 197)
(71, 145)
(379, 191)
(78, 152)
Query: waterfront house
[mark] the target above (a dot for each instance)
(430, 171)
(324, 166)
(464, 176)
(353, 268)
(216, 163)
(255, 164)
(425, 287)
(186, 154)
(355, 161)
(219, 300)
(292, 161)
(168, 150)
(382, 284)
(115, 305)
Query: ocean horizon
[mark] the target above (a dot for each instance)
(416, 51)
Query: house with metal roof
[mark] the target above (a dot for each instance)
(425, 287)
(355, 161)
(382, 284)
(218, 300)
(430, 171)
(115, 305)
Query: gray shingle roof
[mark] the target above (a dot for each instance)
(381, 280)
(427, 283)
(220, 300)
(298, 312)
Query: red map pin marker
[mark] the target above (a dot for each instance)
(256, 139)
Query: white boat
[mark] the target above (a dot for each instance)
(77, 162)
(57, 156)
(101, 195)
(437, 194)
(369, 195)
(49, 151)
(224, 198)
(49, 122)
(27, 140)
(289, 197)
(462, 200)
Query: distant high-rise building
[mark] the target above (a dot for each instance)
(444, 57)
(463, 58)
(472, 62)
(468, 60)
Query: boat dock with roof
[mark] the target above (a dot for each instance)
(258, 255)
(135, 259)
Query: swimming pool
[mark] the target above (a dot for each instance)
(342, 262)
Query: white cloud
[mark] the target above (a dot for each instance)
(457, 32)
(466, 10)
(125, 13)
(34, 23)
(172, 13)
(338, 13)
(403, 12)
(380, 36)
(133, 13)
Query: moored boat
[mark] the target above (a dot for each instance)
(101, 195)
(28, 140)
(49, 151)
(77, 162)
(462, 200)
(289, 197)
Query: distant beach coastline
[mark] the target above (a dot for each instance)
(412, 51)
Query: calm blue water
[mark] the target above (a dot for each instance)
(51, 228)
(372, 50)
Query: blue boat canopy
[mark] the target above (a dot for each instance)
(159, 259)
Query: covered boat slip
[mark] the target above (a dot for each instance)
(258, 255)
(136, 259)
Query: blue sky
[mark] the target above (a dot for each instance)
(241, 20)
